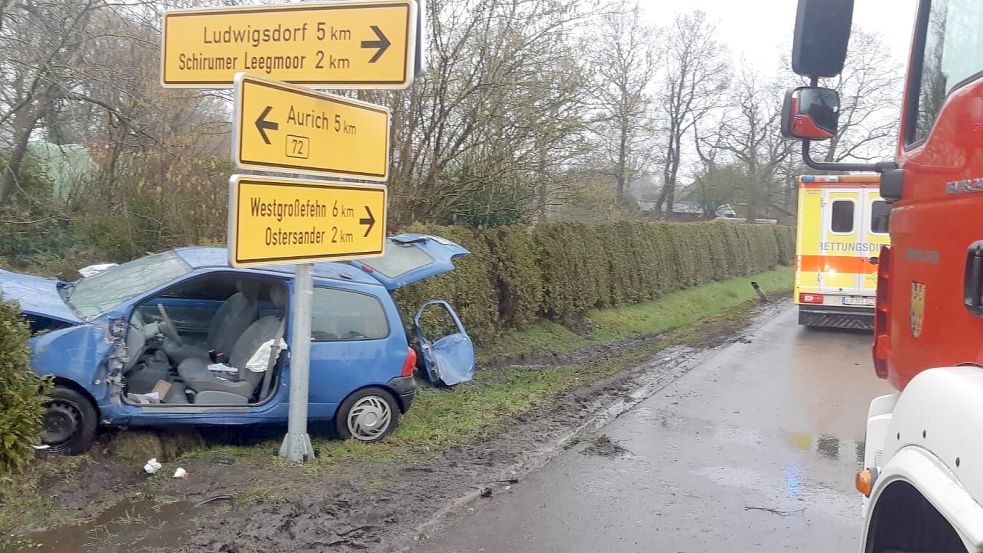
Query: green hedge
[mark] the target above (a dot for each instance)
(21, 391)
(516, 275)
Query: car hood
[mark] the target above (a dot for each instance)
(36, 296)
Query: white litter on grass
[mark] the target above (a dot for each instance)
(41, 447)
(152, 466)
(180, 473)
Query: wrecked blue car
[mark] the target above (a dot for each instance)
(182, 338)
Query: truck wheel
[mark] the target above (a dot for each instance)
(368, 415)
(69, 424)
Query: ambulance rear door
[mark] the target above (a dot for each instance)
(876, 215)
(841, 237)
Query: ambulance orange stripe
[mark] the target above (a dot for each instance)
(840, 264)
(838, 185)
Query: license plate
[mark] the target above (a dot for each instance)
(853, 300)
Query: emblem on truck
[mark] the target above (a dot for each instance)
(917, 307)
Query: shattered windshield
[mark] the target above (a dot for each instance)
(97, 293)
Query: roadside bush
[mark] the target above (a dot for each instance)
(519, 273)
(21, 391)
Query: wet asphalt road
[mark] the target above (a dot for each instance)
(754, 450)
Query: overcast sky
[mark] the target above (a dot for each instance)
(761, 30)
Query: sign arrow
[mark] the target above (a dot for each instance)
(370, 220)
(262, 125)
(382, 44)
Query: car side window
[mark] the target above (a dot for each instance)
(339, 315)
(841, 216)
(880, 214)
(952, 54)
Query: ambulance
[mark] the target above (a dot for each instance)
(842, 224)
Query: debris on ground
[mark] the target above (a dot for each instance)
(487, 492)
(152, 466)
(180, 473)
(778, 512)
(603, 446)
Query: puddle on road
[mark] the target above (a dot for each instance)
(828, 447)
(127, 525)
(788, 494)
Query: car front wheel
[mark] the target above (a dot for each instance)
(368, 415)
(69, 423)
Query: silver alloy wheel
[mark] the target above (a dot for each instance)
(369, 418)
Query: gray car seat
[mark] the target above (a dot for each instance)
(231, 319)
(235, 389)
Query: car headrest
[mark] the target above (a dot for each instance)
(249, 288)
(278, 295)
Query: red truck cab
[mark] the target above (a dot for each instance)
(930, 280)
(922, 478)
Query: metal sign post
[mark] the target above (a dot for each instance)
(296, 444)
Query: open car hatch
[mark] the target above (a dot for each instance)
(448, 360)
(410, 258)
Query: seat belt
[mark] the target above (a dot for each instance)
(274, 354)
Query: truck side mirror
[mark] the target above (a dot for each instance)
(811, 113)
(822, 33)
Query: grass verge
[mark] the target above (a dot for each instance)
(674, 310)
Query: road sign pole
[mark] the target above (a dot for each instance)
(297, 443)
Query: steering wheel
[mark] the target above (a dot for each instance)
(169, 330)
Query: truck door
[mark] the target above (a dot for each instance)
(841, 236)
(937, 219)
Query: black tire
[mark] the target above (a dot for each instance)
(70, 422)
(374, 406)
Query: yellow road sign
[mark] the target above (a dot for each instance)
(282, 127)
(273, 220)
(336, 45)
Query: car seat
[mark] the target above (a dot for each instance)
(211, 388)
(231, 319)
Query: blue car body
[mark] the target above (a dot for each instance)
(88, 351)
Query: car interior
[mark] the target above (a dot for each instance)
(214, 340)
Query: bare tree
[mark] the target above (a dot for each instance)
(750, 135)
(623, 54)
(42, 42)
(493, 116)
(695, 75)
(870, 105)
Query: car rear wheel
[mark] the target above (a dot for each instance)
(69, 423)
(368, 415)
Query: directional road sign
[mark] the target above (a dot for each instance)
(295, 129)
(334, 45)
(280, 220)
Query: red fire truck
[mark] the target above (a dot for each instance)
(923, 466)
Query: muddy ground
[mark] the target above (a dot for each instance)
(239, 504)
